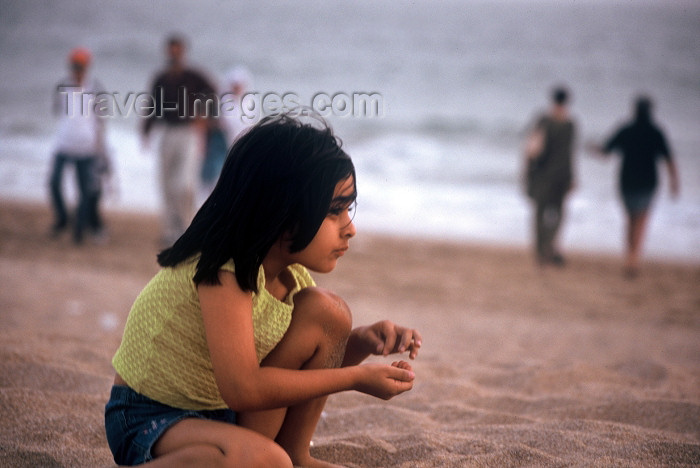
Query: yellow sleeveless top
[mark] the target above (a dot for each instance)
(164, 355)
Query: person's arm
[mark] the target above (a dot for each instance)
(618, 141)
(615, 142)
(149, 121)
(208, 111)
(103, 163)
(535, 139)
(59, 104)
(665, 151)
(101, 112)
(595, 149)
(382, 338)
(246, 386)
(673, 177)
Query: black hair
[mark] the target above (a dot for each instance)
(560, 95)
(278, 180)
(642, 109)
(176, 39)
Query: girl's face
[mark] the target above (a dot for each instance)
(333, 237)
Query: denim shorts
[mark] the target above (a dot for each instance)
(134, 423)
(637, 202)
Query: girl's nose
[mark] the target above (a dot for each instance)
(349, 230)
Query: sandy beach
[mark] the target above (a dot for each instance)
(519, 367)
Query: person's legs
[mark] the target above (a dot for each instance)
(316, 339)
(187, 179)
(548, 216)
(169, 163)
(637, 208)
(56, 190)
(94, 220)
(179, 173)
(636, 228)
(199, 442)
(141, 430)
(553, 220)
(84, 172)
(539, 233)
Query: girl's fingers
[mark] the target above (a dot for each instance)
(402, 365)
(372, 337)
(417, 338)
(389, 337)
(375, 343)
(406, 338)
(405, 375)
(415, 346)
(410, 341)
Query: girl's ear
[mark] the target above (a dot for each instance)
(285, 240)
(286, 237)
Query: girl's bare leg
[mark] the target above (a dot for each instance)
(199, 442)
(316, 339)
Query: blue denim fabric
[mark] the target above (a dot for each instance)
(87, 213)
(637, 202)
(134, 423)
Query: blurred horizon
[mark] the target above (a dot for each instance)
(460, 80)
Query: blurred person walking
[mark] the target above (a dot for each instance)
(641, 143)
(222, 132)
(549, 174)
(80, 141)
(238, 82)
(183, 99)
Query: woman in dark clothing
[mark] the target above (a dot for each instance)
(641, 143)
(550, 175)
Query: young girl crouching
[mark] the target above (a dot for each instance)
(230, 351)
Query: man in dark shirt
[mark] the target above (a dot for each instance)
(550, 176)
(641, 144)
(183, 100)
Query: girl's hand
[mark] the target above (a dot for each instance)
(385, 337)
(384, 381)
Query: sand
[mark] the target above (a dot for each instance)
(519, 367)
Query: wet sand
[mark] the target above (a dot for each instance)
(520, 366)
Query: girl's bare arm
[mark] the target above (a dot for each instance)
(381, 338)
(246, 386)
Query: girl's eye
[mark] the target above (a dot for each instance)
(337, 210)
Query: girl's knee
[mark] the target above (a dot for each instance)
(258, 452)
(267, 456)
(324, 308)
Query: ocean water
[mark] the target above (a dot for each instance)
(458, 81)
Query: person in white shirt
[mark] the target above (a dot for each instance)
(222, 132)
(238, 83)
(80, 141)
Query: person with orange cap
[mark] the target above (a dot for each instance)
(80, 142)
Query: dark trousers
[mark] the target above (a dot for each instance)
(87, 213)
(548, 216)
